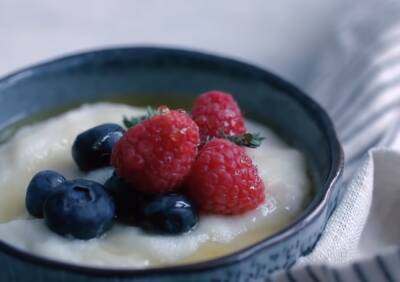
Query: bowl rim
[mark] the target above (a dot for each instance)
(321, 118)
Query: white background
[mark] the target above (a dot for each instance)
(280, 35)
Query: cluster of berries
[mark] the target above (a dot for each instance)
(168, 166)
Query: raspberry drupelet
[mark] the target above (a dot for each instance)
(217, 111)
(157, 154)
(224, 180)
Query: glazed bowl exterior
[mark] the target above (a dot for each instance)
(160, 74)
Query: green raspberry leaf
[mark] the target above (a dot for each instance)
(131, 122)
(251, 140)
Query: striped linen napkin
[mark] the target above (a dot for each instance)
(357, 80)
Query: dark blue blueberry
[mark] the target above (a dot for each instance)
(92, 148)
(82, 209)
(129, 202)
(42, 185)
(169, 214)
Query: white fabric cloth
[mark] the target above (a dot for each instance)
(358, 82)
(361, 240)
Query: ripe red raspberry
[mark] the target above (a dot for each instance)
(224, 180)
(157, 154)
(214, 111)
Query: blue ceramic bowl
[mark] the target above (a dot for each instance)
(153, 74)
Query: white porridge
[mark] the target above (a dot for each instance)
(47, 145)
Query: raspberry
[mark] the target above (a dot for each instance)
(224, 180)
(157, 154)
(216, 112)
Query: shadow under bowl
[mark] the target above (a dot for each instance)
(155, 75)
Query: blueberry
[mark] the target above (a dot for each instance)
(42, 185)
(169, 214)
(92, 148)
(128, 201)
(82, 209)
